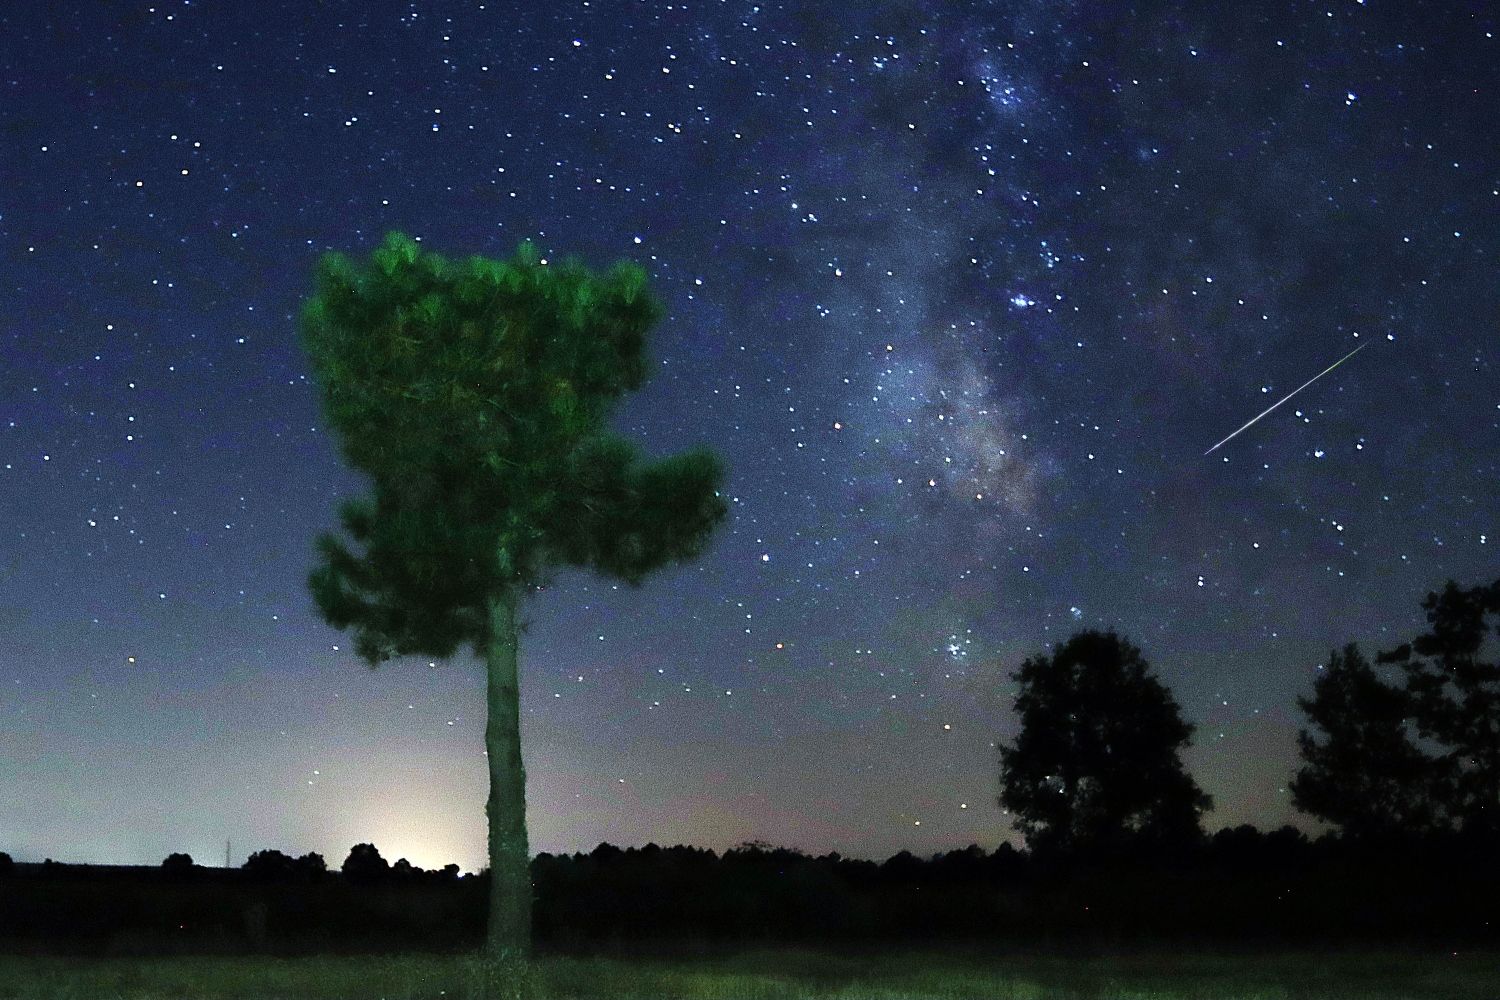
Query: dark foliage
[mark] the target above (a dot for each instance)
(1453, 680)
(1095, 767)
(7, 865)
(177, 863)
(1367, 776)
(311, 866)
(274, 866)
(365, 866)
(268, 866)
(1240, 886)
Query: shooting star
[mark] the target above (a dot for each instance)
(1289, 395)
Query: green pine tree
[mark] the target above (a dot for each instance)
(475, 396)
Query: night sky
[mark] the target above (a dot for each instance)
(961, 291)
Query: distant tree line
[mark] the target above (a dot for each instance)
(1401, 756)
(363, 866)
(1240, 886)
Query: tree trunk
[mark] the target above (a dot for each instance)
(508, 941)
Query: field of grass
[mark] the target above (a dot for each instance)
(775, 975)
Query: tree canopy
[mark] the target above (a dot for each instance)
(364, 864)
(1453, 680)
(1366, 775)
(1096, 762)
(475, 396)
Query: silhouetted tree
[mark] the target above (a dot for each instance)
(364, 865)
(902, 866)
(7, 865)
(605, 852)
(475, 395)
(1096, 763)
(269, 866)
(177, 863)
(1367, 776)
(1456, 695)
(311, 866)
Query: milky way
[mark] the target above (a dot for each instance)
(959, 291)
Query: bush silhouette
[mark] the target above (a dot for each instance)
(311, 866)
(365, 866)
(269, 866)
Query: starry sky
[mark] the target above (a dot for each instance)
(962, 291)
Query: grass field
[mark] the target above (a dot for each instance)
(775, 975)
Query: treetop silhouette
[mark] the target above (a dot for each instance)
(1454, 694)
(1367, 776)
(1095, 765)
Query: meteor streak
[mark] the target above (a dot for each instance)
(1289, 395)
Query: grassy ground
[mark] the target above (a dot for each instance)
(775, 975)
